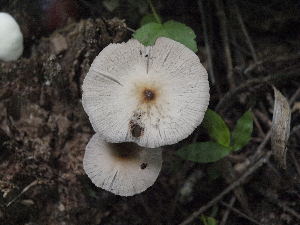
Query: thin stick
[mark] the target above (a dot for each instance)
(261, 133)
(225, 40)
(244, 30)
(207, 43)
(294, 97)
(226, 214)
(235, 184)
(154, 12)
(262, 145)
(241, 213)
(278, 202)
(295, 161)
(24, 190)
(130, 29)
(272, 58)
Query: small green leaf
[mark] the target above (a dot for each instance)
(148, 33)
(211, 221)
(208, 220)
(203, 152)
(216, 127)
(149, 18)
(242, 131)
(203, 218)
(176, 31)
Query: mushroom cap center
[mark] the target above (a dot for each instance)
(149, 95)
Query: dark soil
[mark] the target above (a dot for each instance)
(44, 129)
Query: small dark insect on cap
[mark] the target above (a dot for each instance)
(144, 166)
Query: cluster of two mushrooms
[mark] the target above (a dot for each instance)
(139, 98)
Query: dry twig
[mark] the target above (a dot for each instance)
(230, 175)
(235, 184)
(226, 214)
(244, 30)
(278, 202)
(241, 213)
(225, 40)
(24, 190)
(207, 43)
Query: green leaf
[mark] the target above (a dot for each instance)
(211, 221)
(149, 18)
(203, 218)
(148, 34)
(242, 131)
(203, 152)
(208, 220)
(216, 127)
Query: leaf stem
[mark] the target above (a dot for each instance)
(154, 12)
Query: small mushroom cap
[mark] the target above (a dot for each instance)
(154, 96)
(124, 169)
(11, 38)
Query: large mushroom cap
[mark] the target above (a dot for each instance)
(154, 96)
(122, 168)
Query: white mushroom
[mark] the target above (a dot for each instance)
(11, 38)
(154, 96)
(122, 168)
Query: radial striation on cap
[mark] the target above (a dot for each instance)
(122, 168)
(153, 96)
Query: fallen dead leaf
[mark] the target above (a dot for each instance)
(280, 130)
